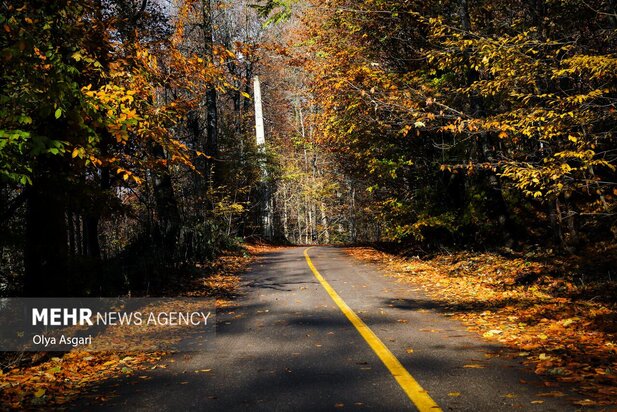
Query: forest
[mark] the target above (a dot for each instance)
(467, 146)
(127, 148)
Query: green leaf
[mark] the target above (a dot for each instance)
(58, 113)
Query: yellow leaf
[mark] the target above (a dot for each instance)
(39, 393)
(473, 366)
(454, 394)
(568, 322)
(245, 94)
(75, 153)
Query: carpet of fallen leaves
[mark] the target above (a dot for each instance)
(62, 379)
(562, 326)
(53, 380)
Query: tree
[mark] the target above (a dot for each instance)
(471, 119)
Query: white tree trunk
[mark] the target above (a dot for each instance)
(261, 148)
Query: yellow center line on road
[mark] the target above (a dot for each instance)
(410, 386)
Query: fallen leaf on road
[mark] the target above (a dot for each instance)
(454, 394)
(509, 395)
(473, 366)
(586, 402)
(553, 394)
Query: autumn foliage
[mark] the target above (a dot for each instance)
(471, 122)
(128, 161)
(109, 111)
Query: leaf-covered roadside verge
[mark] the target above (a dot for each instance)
(562, 326)
(59, 380)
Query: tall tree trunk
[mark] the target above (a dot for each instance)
(210, 146)
(285, 213)
(92, 246)
(463, 11)
(324, 223)
(555, 221)
(46, 248)
(166, 208)
(352, 216)
(78, 235)
(71, 229)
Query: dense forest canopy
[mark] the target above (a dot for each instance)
(127, 148)
(473, 121)
(126, 139)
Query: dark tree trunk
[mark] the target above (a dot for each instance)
(92, 248)
(46, 248)
(463, 12)
(71, 229)
(211, 146)
(537, 11)
(167, 209)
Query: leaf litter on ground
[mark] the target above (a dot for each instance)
(565, 330)
(49, 382)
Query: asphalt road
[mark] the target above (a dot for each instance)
(287, 346)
